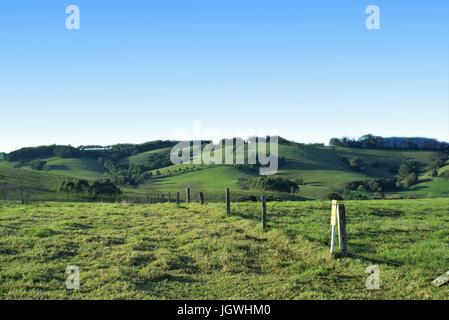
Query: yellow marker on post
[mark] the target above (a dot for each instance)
(334, 213)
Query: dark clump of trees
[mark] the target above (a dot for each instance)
(26, 154)
(94, 190)
(121, 151)
(407, 174)
(38, 165)
(377, 142)
(269, 184)
(67, 152)
(370, 185)
(125, 174)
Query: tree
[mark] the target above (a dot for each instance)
(38, 165)
(82, 187)
(407, 174)
(335, 142)
(104, 189)
(356, 163)
(269, 184)
(66, 152)
(434, 172)
(408, 181)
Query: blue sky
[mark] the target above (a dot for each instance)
(139, 70)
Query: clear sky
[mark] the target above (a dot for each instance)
(139, 70)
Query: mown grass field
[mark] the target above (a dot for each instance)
(163, 251)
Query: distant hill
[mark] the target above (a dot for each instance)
(352, 169)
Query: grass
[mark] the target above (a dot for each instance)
(141, 158)
(40, 180)
(85, 168)
(162, 251)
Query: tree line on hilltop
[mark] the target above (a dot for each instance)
(370, 141)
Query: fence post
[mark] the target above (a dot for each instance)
(333, 224)
(228, 201)
(178, 200)
(187, 195)
(341, 216)
(201, 195)
(162, 198)
(264, 212)
(169, 197)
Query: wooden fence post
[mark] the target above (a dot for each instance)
(201, 195)
(178, 200)
(228, 201)
(264, 212)
(169, 197)
(341, 216)
(187, 195)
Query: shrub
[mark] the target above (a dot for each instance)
(334, 196)
(268, 184)
(97, 189)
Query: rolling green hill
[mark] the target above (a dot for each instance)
(320, 167)
(323, 169)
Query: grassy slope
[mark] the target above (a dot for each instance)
(197, 252)
(141, 158)
(320, 168)
(47, 182)
(85, 168)
(39, 180)
(75, 168)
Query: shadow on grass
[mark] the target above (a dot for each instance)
(58, 167)
(150, 285)
(386, 213)
(367, 259)
(246, 215)
(314, 184)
